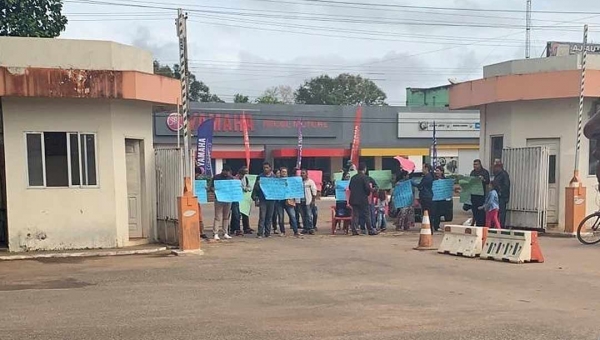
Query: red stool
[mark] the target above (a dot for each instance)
(334, 219)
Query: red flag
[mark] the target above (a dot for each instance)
(246, 139)
(356, 138)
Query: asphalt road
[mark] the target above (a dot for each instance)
(319, 287)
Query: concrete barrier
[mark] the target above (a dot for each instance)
(514, 246)
(464, 241)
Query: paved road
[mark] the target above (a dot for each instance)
(319, 287)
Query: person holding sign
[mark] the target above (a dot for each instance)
(437, 205)
(222, 209)
(287, 205)
(308, 203)
(360, 190)
(403, 202)
(426, 190)
(265, 207)
(236, 215)
(478, 200)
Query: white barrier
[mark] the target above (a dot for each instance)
(515, 246)
(464, 241)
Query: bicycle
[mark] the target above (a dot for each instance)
(588, 231)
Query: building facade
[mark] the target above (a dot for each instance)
(534, 102)
(327, 132)
(77, 143)
(431, 97)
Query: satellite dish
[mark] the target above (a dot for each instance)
(453, 81)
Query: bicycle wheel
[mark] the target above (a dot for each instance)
(588, 231)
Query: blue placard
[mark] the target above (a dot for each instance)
(443, 189)
(340, 190)
(229, 190)
(295, 187)
(403, 195)
(200, 190)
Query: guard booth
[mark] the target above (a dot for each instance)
(528, 168)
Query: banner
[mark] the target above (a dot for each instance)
(228, 191)
(204, 148)
(356, 138)
(383, 178)
(246, 138)
(200, 191)
(443, 189)
(299, 157)
(340, 190)
(403, 195)
(246, 203)
(278, 189)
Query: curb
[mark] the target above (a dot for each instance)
(83, 254)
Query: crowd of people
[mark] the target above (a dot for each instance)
(366, 204)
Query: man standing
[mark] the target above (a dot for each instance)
(307, 204)
(265, 207)
(222, 209)
(236, 215)
(287, 206)
(502, 179)
(478, 200)
(360, 189)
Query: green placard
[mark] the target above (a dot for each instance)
(383, 178)
(337, 176)
(470, 186)
(246, 203)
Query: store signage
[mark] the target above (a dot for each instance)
(559, 49)
(258, 125)
(175, 121)
(450, 126)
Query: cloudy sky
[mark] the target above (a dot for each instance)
(245, 46)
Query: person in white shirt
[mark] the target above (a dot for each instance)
(307, 204)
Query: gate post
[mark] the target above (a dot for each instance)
(189, 222)
(575, 198)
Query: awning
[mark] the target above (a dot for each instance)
(307, 152)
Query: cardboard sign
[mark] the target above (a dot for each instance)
(200, 190)
(383, 178)
(340, 190)
(443, 189)
(229, 190)
(403, 195)
(246, 203)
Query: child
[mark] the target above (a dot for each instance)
(381, 207)
(492, 207)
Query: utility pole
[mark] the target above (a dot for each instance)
(581, 97)
(528, 31)
(183, 73)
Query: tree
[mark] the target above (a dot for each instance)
(345, 89)
(32, 18)
(281, 94)
(198, 91)
(240, 98)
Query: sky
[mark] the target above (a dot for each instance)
(246, 46)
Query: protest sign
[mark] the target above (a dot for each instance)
(316, 176)
(282, 188)
(383, 178)
(246, 203)
(470, 186)
(443, 189)
(229, 190)
(340, 190)
(200, 190)
(338, 176)
(295, 187)
(403, 195)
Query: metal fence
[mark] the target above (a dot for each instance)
(169, 185)
(528, 170)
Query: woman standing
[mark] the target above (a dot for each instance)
(437, 205)
(426, 191)
(405, 215)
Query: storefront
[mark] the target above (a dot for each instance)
(327, 133)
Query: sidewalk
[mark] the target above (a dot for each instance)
(137, 250)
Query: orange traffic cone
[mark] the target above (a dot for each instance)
(425, 237)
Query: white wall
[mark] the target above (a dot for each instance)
(519, 121)
(71, 218)
(465, 160)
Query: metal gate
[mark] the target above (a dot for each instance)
(169, 185)
(528, 170)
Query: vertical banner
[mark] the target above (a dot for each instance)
(246, 139)
(204, 147)
(356, 138)
(299, 157)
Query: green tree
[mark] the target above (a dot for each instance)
(198, 92)
(240, 98)
(32, 18)
(345, 89)
(281, 94)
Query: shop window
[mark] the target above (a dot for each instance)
(592, 162)
(61, 159)
(497, 144)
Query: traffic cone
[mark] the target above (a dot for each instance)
(425, 237)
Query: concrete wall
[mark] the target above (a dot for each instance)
(520, 121)
(71, 218)
(76, 54)
(538, 65)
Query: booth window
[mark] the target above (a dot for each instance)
(61, 159)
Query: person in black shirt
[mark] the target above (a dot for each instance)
(360, 189)
(426, 191)
(437, 205)
(478, 200)
(502, 178)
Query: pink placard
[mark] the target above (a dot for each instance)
(316, 176)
